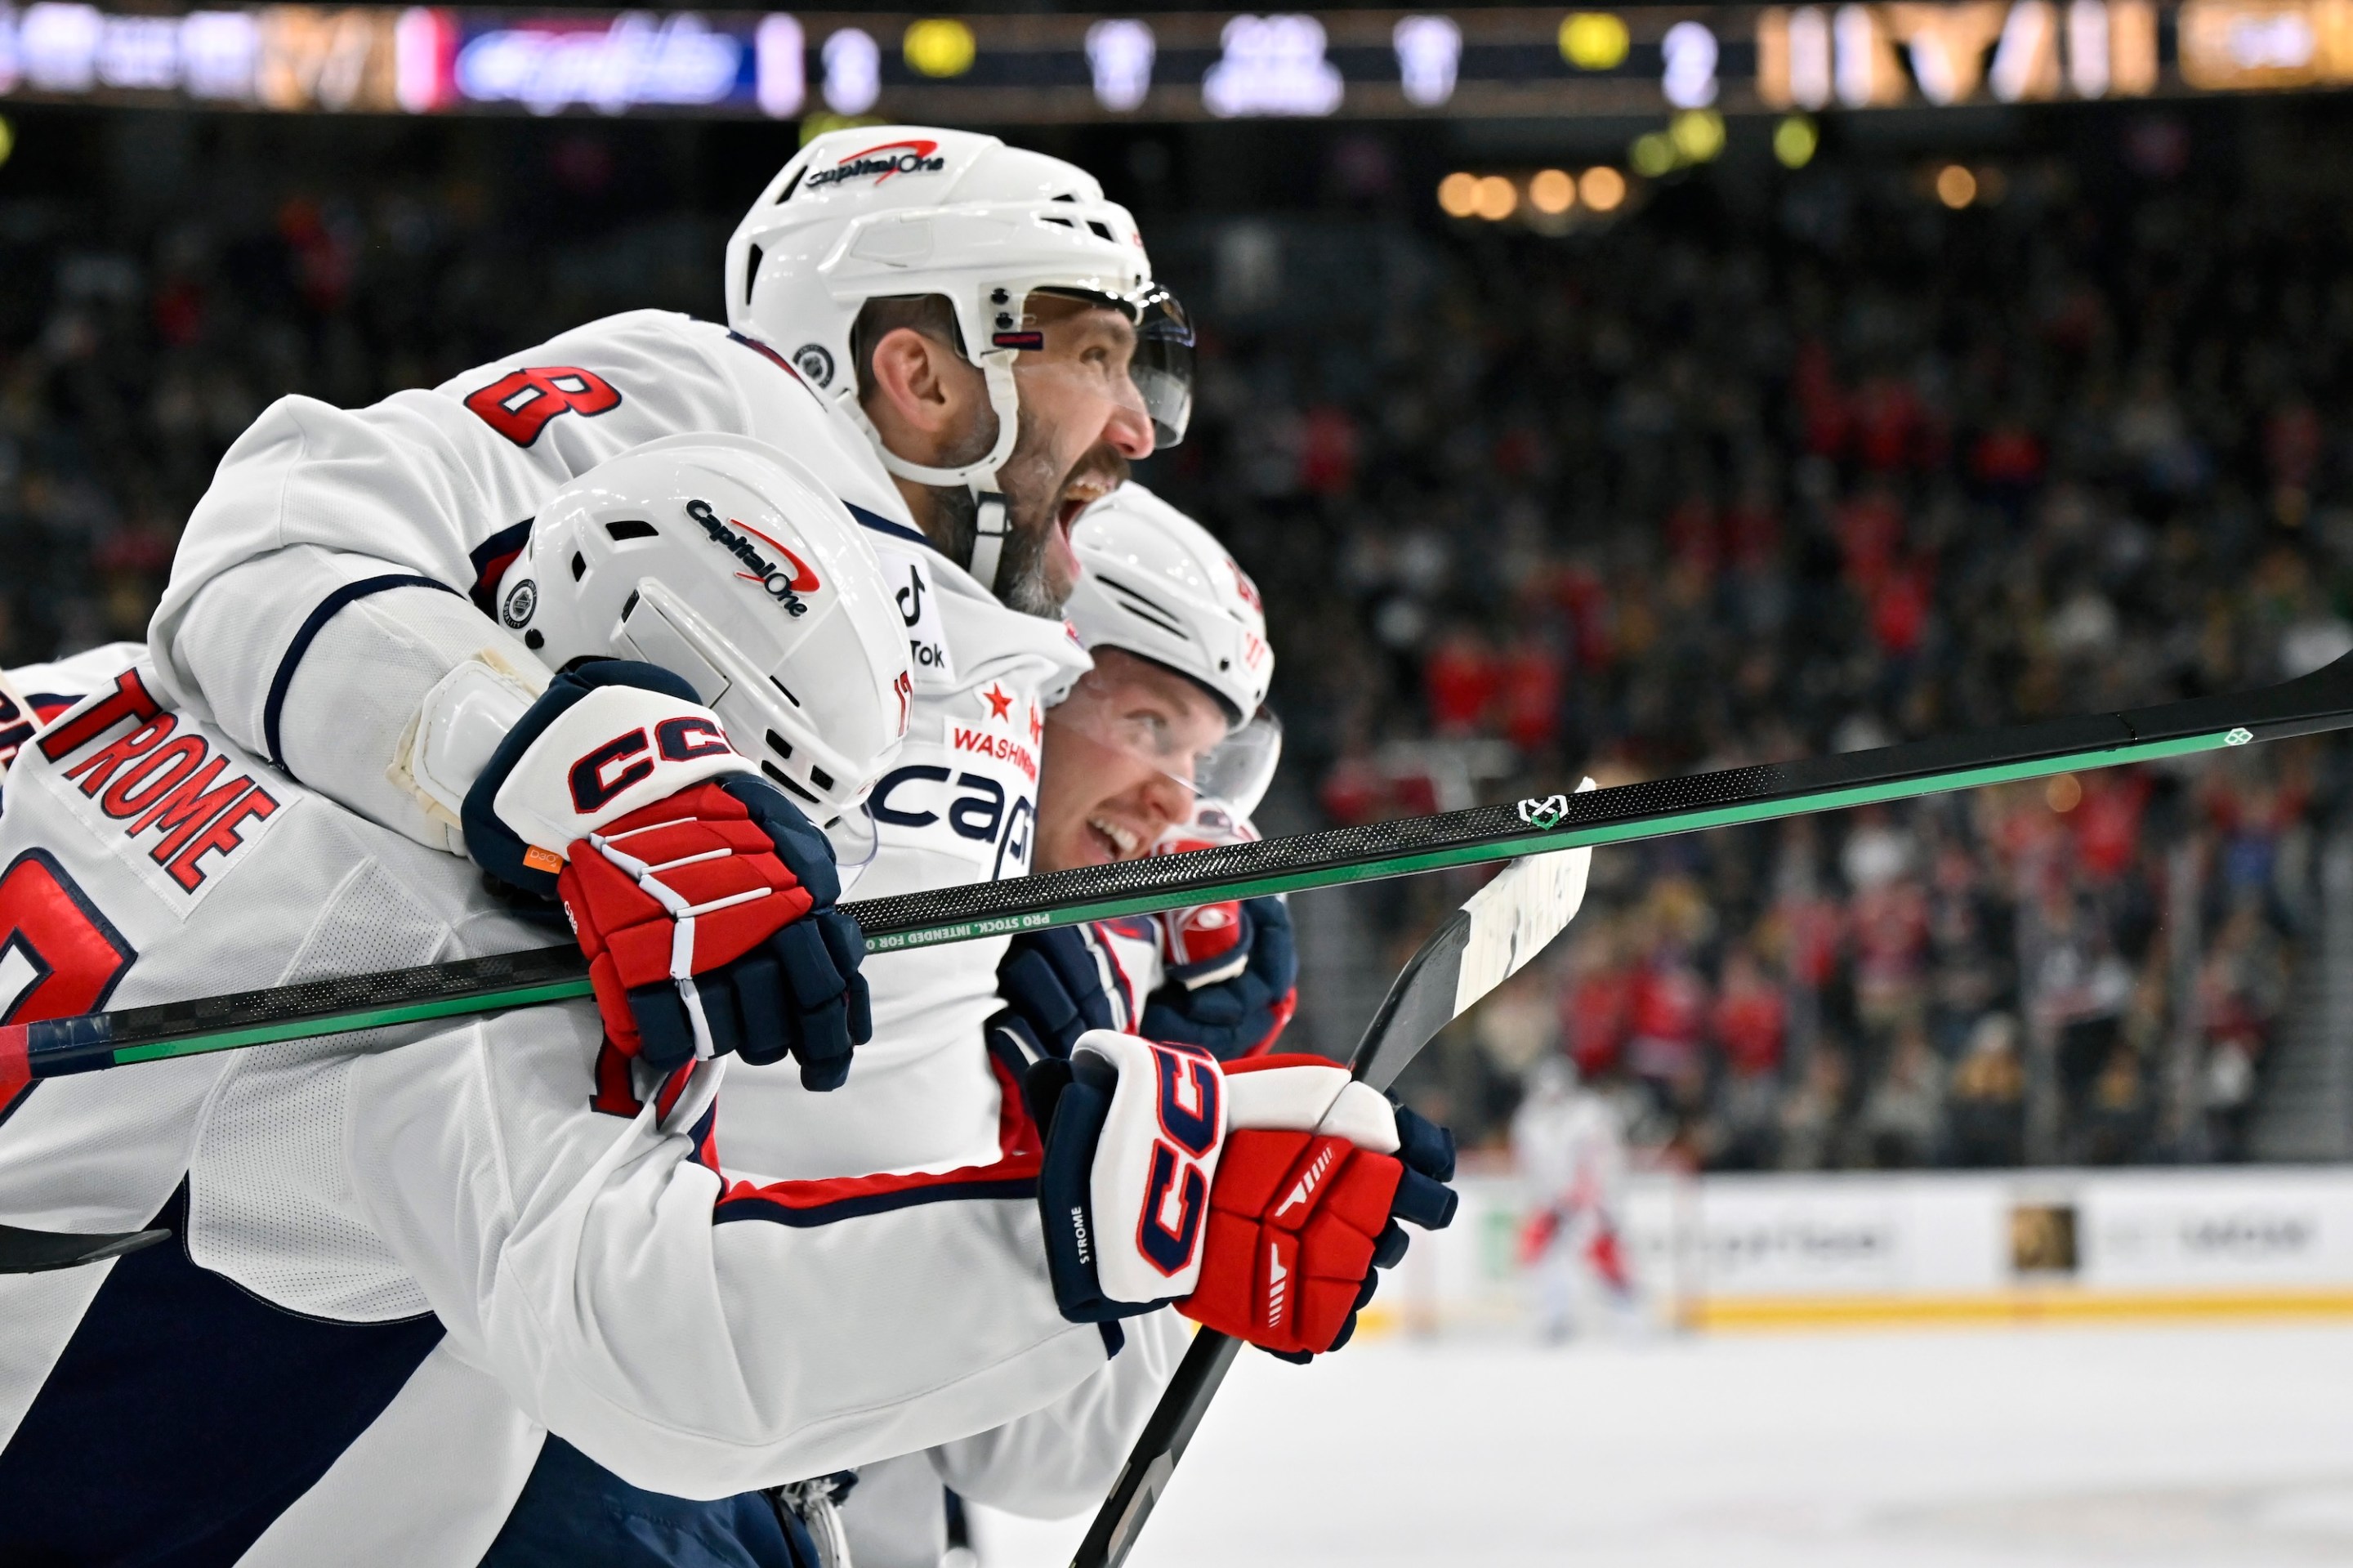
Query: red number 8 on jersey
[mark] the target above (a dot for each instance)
(518, 405)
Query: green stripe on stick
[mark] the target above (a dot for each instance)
(1567, 838)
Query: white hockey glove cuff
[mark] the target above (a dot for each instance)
(1133, 1131)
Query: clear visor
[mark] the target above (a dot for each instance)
(1163, 368)
(1238, 774)
(1158, 754)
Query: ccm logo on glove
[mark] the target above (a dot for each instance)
(701, 896)
(601, 776)
(1305, 1171)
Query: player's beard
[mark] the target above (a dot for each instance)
(1033, 499)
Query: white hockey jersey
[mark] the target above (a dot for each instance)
(33, 694)
(333, 574)
(402, 1257)
(324, 586)
(1570, 1154)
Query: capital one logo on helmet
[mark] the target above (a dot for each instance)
(786, 586)
(881, 162)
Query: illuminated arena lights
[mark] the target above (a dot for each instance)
(1549, 201)
(1956, 186)
(939, 47)
(1514, 62)
(1796, 139)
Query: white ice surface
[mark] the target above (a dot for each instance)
(2057, 1449)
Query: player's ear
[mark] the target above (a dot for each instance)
(916, 388)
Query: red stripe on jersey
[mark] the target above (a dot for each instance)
(1013, 1174)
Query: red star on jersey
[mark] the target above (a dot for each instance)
(1037, 725)
(999, 701)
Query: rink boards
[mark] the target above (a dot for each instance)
(1826, 1251)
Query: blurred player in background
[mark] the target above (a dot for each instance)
(1570, 1151)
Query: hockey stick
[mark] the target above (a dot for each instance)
(2309, 704)
(1483, 944)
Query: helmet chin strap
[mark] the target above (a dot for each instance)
(992, 518)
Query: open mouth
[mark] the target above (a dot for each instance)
(1114, 840)
(1080, 491)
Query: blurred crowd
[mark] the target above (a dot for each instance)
(1723, 484)
(1759, 469)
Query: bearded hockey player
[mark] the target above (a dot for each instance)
(392, 1269)
(318, 616)
(960, 805)
(975, 331)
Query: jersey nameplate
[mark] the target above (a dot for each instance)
(160, 794)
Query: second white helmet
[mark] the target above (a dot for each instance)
(725, 562)
(1157, 584)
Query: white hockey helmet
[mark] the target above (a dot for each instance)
(904, 210)
(725, 562)
(1157, 584)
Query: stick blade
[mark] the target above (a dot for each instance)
(1494, 934)
(1515, 916)
(37, 1251)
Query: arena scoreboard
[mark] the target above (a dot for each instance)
(1016, 69)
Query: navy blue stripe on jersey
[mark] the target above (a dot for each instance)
(491, 558)
(575, 1513)
(754, 1205)
(882, 524)
(770, 355)
(274, 708)
(185, 1415)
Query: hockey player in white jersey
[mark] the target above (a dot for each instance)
(268, 1389)
(1570, 1154)
(962, 340)
(981, 325)
(1163, 746)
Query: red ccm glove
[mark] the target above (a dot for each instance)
(1259, 1196)
(702, 897)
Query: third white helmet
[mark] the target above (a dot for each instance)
(1156, 583)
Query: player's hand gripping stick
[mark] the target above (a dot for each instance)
(701, 897)
(1259, 1197)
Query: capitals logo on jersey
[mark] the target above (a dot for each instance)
(978, 799)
